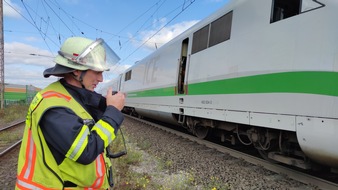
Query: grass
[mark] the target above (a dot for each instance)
(10, 136)
(137, 170)
(13, 113)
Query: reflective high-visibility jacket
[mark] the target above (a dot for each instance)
(37, 168)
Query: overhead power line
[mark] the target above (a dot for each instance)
(33, 24)
(32, 54)
(184, 7)
(53, 9)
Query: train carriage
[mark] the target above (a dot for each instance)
(264, 71)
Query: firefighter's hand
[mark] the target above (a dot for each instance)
(117, 100)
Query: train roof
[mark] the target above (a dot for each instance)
(213, 16)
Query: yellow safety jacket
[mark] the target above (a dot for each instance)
(37, 168)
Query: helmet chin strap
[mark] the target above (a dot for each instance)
(80, 79)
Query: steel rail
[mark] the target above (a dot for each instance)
(11, 147)
(293, 174)
(7, 150)
(12, 125)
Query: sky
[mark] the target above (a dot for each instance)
(34, 30)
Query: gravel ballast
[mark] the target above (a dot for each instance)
(181, 161)
(208, 167)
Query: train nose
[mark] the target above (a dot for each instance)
(318, 139)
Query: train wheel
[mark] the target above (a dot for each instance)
(201, 131)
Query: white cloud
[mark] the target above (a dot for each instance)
(20, 53)
(165, 34)
(24, 64)
(26, 75)
(114, 72)
(8, 10)
(21, 67)
(32, 39)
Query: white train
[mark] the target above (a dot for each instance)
(262, 72)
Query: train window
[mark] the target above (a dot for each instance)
(200, 39)
(216, 32)
(282, 9)
(220, 29)
(127, 76)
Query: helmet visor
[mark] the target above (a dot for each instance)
(98, 56)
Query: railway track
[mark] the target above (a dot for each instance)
(279, 169)
(10, 137)
(312, 181)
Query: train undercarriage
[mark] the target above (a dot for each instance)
(273, 145)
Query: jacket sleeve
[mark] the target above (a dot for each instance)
(68, 136)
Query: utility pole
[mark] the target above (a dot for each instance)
(2, 62)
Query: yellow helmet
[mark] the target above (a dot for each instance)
(78, 53)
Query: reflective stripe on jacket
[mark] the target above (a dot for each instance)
(37, 168)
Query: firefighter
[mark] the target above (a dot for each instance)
(69, 125)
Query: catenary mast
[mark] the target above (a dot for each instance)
(2, 72)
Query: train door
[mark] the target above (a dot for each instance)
(182, 67)
(119, 87)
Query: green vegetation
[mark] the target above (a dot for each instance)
(136, 170)
(13, 113)
(10, 136)
(139, 170)
(217, 184)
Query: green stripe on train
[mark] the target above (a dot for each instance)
(169, 91)
(323, 83)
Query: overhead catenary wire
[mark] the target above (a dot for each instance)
(58, 17)
(53, 5)
(47, 21)
(155, 44)
(183, 9)
(34, 25)
(29, 54)
(69, 17)
(133, 21)
(150, 17)
(56, 32)
(159, 4)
